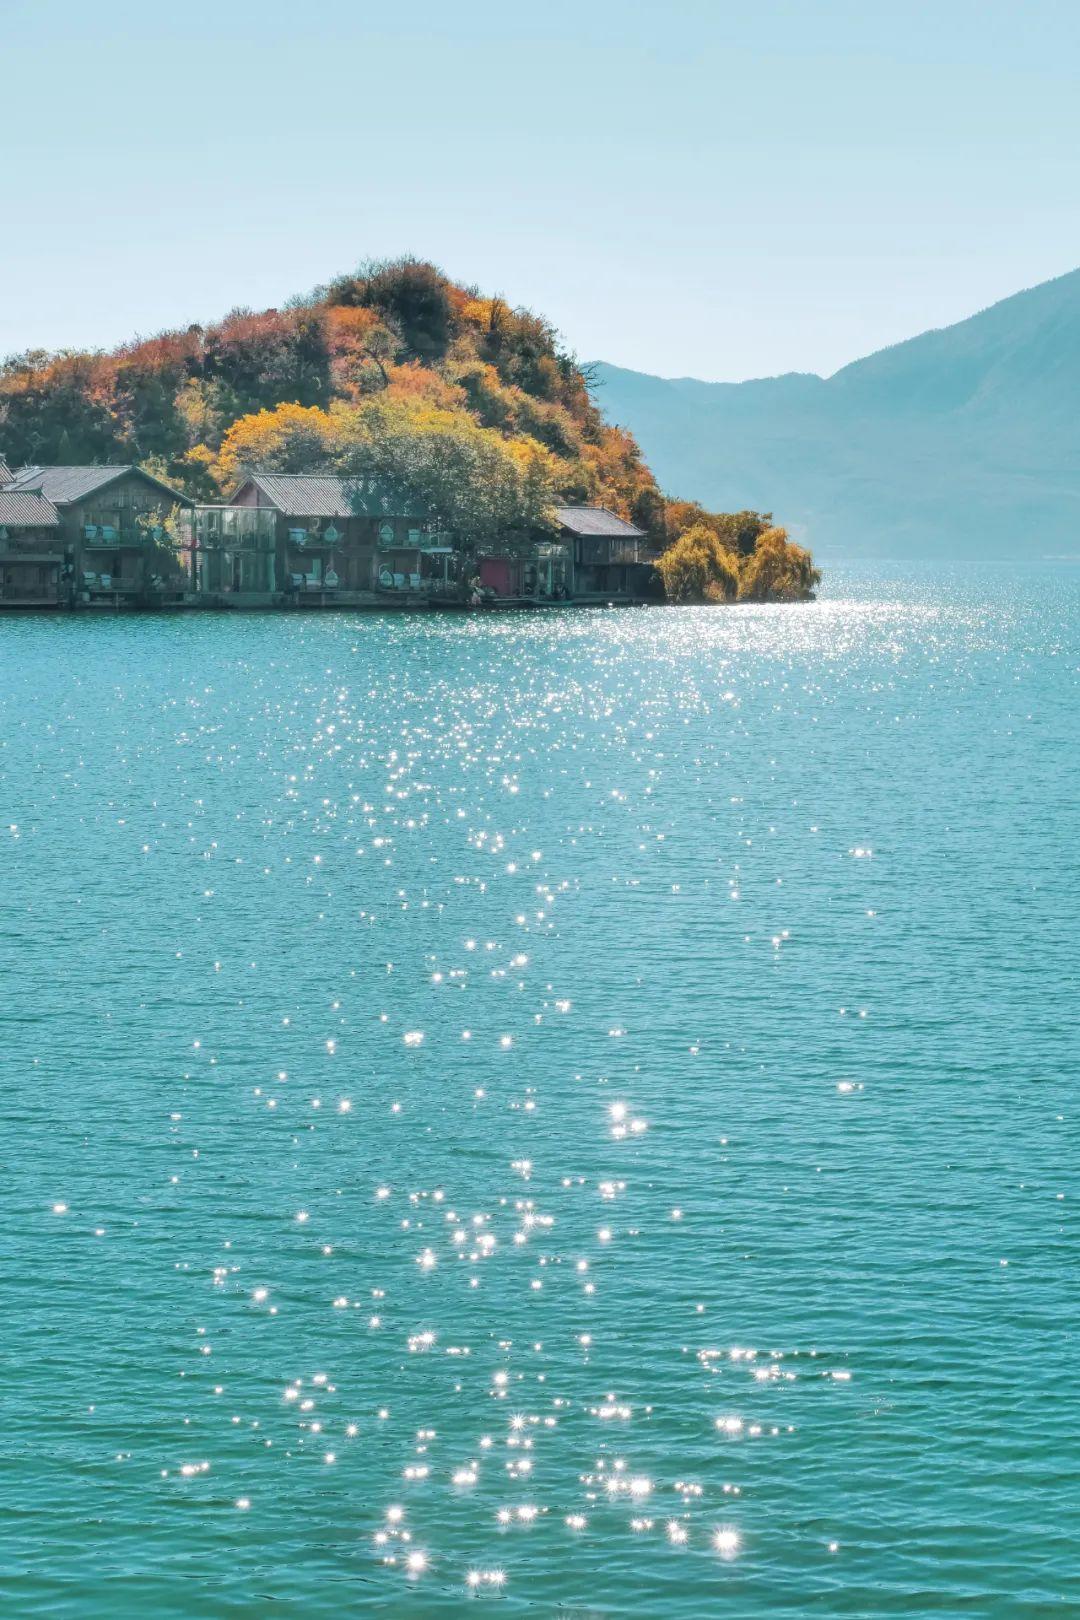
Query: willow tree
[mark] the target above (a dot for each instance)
(778, 571)
(697, 568)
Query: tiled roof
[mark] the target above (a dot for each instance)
(597, 520)
(323, 495)
(63, 485)
(20, 509)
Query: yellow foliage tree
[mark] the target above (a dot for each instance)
(698, 569)
(777, 570)
(413, 381)
(292, 438)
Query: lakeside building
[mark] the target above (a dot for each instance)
(348, 541)
(594, 556)
(537, 571)
(233, 552)
(609, 556)
(31, 551)
(95, 535)
(116, 536)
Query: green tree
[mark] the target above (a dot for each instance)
(480, 485)
(165, 557)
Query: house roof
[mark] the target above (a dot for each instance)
(21, 509)
(324, 495)
(5, 473)
(63, 485)
(597, 520)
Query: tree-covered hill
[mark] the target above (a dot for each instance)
(394, 370)
(196, 403)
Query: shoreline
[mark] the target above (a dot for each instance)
(125, 609)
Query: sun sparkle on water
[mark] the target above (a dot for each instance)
(660, 1192)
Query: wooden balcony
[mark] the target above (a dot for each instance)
(122, 540)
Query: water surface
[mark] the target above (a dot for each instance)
(570, 1113)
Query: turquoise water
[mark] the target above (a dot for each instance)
(569, 1114)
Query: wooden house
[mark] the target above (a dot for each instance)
(113, 522)
(34, 571)
(610, 557)
(594, 555)
(337, 538)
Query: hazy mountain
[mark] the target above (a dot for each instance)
(963, 441)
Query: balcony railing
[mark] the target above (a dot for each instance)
(104, 537)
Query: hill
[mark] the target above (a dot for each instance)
(395, 373)
(962, 441)
(194, 404)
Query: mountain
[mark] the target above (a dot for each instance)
(962, 442)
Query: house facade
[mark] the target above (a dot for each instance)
(539, 572)
(337, 539)
(234, 550)
(117, 536)
(34, 569)
(611, 559)
(594, 555)
(111, 533)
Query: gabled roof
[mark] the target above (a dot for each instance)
(5, 473)
(597, 520)
(324, 495)
(20, 509)
(63, 485)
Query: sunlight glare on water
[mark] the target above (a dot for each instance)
(567, 1112)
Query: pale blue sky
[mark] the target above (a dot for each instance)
(715, 189)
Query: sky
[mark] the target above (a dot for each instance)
(687, 187)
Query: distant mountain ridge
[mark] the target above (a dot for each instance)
(963, 441)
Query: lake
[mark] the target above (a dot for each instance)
(572, 1114)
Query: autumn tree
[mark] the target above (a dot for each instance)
(697, 568)
(479, 483)
(56, 407)
(275, 357)
(411, 296)
(290, 439)
(736, 531)
(778, 571)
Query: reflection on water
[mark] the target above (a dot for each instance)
(569, 1112)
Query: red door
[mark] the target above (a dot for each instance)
(495, 574)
